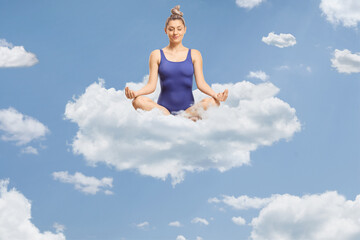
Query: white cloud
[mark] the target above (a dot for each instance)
(30, 150)
(281, 41)
(323, 216)
(175, 224)
(249, 4)
(180, 237)
(238, 221)
(17, 56)
(214, 200)
(200, 220)
(317, 217)
(88, 185)
(199, 238)
(244, 202)
(283, 67)
(258, 74)
(15, 216)
(346, 12)
(4, 43)
(59, 227)
(346, 62)
(20, 128)
(142, 225)
(112, 132)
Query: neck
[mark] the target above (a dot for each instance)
(175, 46)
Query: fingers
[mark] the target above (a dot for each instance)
(222, 96)
(126, 92)
(226, 93)
(129, 93)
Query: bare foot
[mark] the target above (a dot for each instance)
(195, 118)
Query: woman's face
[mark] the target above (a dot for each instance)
(175, 30)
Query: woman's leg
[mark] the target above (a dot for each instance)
(195, 110)
(147, 104)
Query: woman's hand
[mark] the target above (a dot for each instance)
(221, 97)
(129, 93)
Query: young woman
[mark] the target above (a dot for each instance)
(176, 65)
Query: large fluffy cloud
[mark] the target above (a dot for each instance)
(346, 12)
(112, 132)
(17, 56)
(327, 216)
(280, 40)
(15, 216)
(85, 184)
(249, 4)
(21, 128)
(346, 62)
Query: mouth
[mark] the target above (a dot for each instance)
(175, 37)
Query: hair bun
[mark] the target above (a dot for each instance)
(176, 11)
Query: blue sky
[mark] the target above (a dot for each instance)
(50, 93)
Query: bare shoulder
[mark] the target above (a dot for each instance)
(195, 52)
(155, 56)
(195, 55)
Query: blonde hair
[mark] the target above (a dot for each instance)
(175, 14)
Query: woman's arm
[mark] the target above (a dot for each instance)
(153, 75)
(199, 76)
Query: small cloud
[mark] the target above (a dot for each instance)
(17, 56)
(142, 225)
(245, 202)
(59, 227)
(281, 41)
(175, 224)
(222, 209)
(88, 185)
(21, 129)
(200, 220)
(213, 200)
(238, 221)
(346, 62)
(249, 4)
(108, 192)
(4, 43)
(180, 237)
(308, 69)
(29, 150)
(258, 74)
(283, 67)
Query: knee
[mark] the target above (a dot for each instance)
(137, 101)
(207, 102)
(215, 102)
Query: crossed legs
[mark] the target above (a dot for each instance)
(193, 112)
(147, 104)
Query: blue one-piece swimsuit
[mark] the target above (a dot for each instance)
(176, 80)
